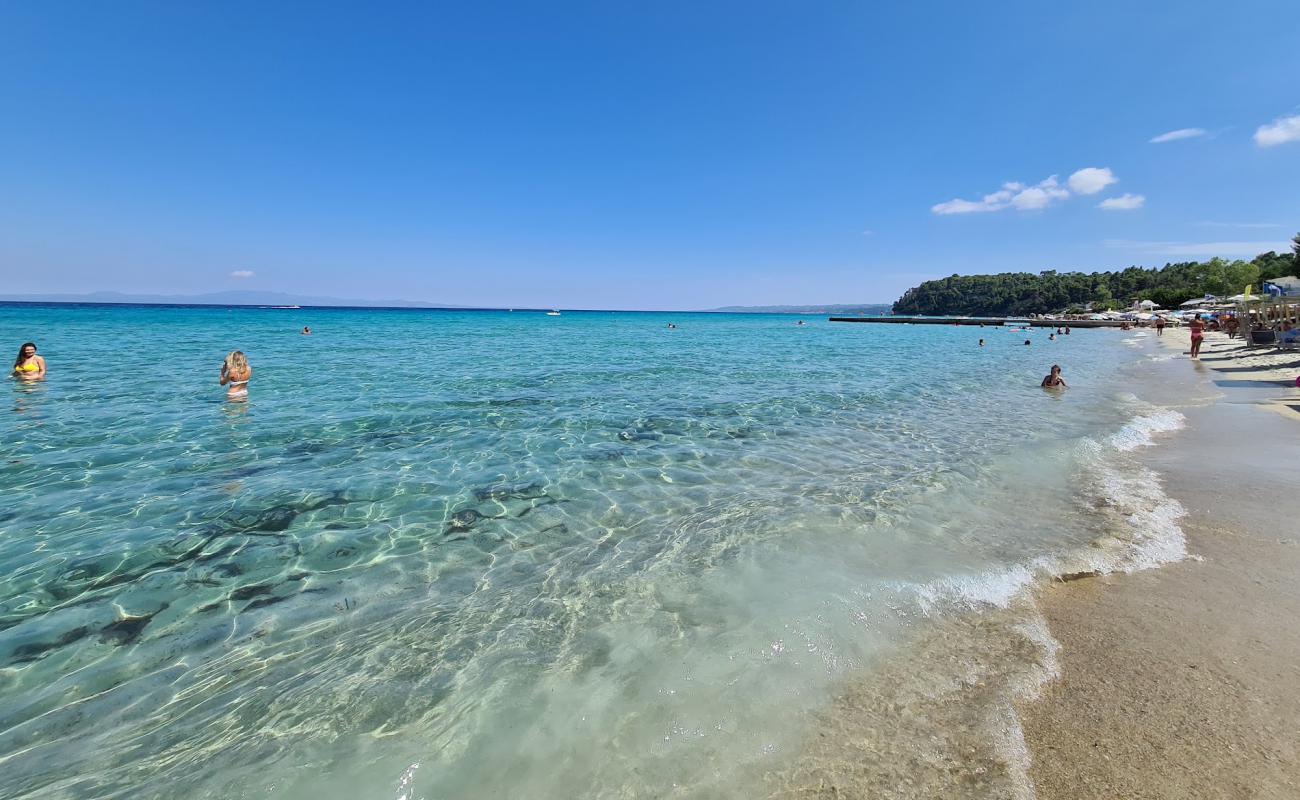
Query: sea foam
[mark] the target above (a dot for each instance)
(1139, 431)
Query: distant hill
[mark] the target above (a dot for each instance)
(1026, 293)
(867, 309)
(231, 298)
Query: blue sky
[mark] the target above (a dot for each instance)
(635, 155)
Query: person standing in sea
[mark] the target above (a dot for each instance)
(235, 373)
(29, 366)
(1054, 379)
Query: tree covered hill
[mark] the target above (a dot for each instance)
(1019, 293)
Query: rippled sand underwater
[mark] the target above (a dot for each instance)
(472, 554)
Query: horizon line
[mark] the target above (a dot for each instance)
(344, 307)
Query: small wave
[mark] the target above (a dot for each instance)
(1139, 526)
(1152, 535)
(993, 588)
(1139, 431)
(1164, 357)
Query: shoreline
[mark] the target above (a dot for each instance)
(1179, 682)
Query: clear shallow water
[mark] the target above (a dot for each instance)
(468, 554)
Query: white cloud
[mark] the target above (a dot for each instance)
(991, 202)
(1032, 198)
(1225, 249)
(1125, 202)
(1181, 133)
(1013, 194)
(1091, 180)
(1241, 224)
(242, 273)
(1279, 131)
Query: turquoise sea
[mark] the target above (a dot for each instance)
(502, 554)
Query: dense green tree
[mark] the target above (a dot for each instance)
(1272, 265)
(1020, 293)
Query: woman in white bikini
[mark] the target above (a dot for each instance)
(235, 374)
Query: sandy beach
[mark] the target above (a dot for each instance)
(1179, 682)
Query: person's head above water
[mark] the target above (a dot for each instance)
(1029, 341)
(1054, 378)
(25, 352)
(981, 342)
(306, 331)
(236, 363)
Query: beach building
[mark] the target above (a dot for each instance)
(1282, 287)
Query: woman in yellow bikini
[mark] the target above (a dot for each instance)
(235, 373)
(29, 366)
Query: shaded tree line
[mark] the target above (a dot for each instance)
(1022, 293)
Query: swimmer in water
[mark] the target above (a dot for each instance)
(672, 327)
(1054, 380)
(1028, 342)
(28, 366)
(306, 331)
(235, 373)
(981, 342)
(1051, 337)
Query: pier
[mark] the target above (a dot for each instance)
(987, 322)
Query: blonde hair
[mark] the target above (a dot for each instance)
(236, 363)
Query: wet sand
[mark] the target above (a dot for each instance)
(1184, 681)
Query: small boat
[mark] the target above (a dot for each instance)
(552, 313)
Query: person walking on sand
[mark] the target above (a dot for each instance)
(235, 374)
(1054, 379)
(28, 366)
(1198, 335)
(1160, 326)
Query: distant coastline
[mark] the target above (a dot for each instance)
(231, 298)
(276, 300)
(841, 308)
